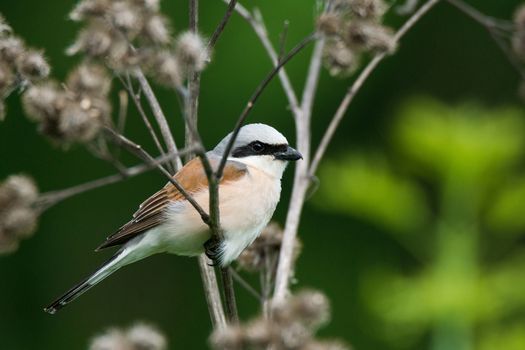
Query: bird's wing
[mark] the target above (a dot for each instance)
(151, 212)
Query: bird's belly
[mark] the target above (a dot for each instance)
(245, 208)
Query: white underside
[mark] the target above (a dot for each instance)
(246, 206)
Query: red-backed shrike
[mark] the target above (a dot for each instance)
(166, 222)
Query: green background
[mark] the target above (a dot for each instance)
(446, 56)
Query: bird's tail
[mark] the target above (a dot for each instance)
(117, 261)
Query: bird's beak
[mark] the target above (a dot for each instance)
(290, 154)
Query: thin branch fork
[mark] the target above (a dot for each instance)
(220, 28)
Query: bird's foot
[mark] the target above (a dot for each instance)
(212, 249)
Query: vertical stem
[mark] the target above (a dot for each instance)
(301, 179)
(208, 274)
(159, 117)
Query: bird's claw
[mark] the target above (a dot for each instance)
(212, 250)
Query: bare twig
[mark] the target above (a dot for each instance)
(212, 294)
(138, 151)
(159, 116)
(246, 285)
(135, 97)
(220, 28)
(255, 96)
(261, 32)
(301, 180)
(358, 83)
(49, 199)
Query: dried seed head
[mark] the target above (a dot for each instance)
(325, 345)
(17, 191)
(5, 29)
(266, 246)
(365, 35)
(310, 308)
(164, 66)
(229, 338)
(10, 49)
(149, 5)
(259, 334)
(20, 222)
(518, 38)
(89, 78)
(78, 123)
(191, 51)
(145, 337)
(7, 78)
(32, 65)
(339, 59)
(156, 29)
(89, 8)
(294, 335)
(368, 9)
(95, 41)
(40, 101)
(329, 24)
(111, 340)
(126, 17)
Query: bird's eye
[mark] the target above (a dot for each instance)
(257, 147)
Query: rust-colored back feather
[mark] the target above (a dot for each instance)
(151, 212)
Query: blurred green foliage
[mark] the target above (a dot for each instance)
(461, 294)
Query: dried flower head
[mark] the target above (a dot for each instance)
(339, 59)
(113, 339)
(40, 101)
(291, 326)
(18, 218)
(145, 337)
(325, 345)
(230, 338)
(156, 29)
(138, 337)
(17, 191)
(7, 78)
(191, 51)
(32, 65)
(77, 123)
(148, 5)
(329, 23)
(364, 35)
(89, 78)
(96, 41)
(311, 308)
(518, 38)
(126, 17)
(5, 29)
(164, 66)
(368, 9)
(10, 49)
(265, 249)
(88, 9)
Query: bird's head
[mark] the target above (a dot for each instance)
(262, 147)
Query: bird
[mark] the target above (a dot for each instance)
(166, 222)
